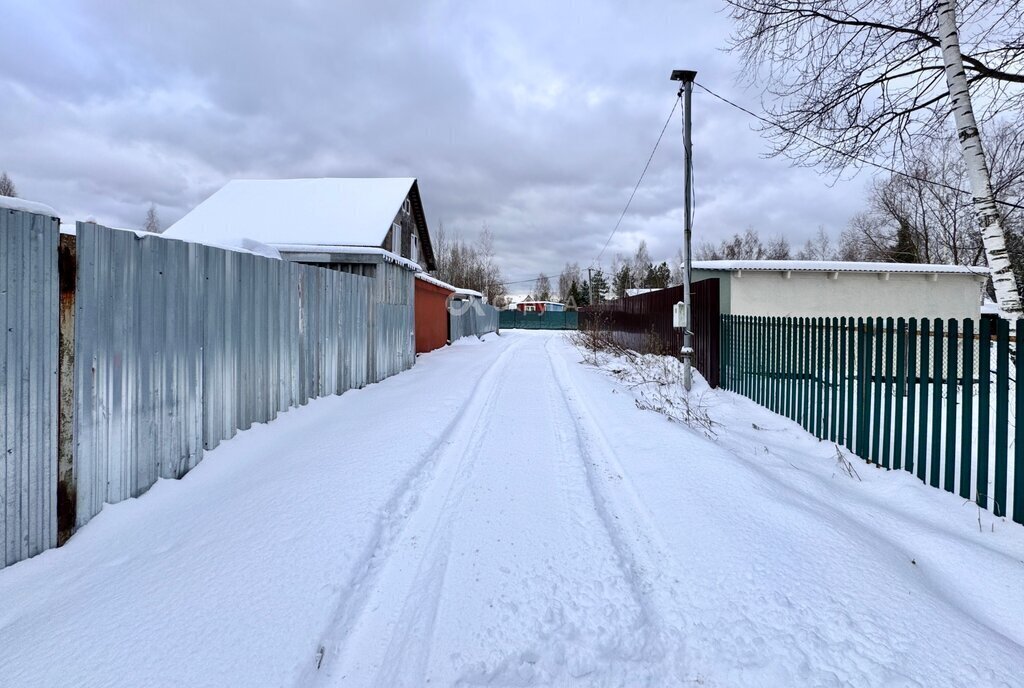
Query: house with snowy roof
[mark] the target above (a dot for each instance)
(804, 288)
(350, 224)
(374, 227)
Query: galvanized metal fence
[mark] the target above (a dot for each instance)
(936, 399)
(166, 349)
(179, 346)
(471, 318)
(549, 320)
(28, 370)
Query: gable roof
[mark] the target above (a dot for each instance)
(330, 211)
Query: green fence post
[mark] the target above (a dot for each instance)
(723, 351)
(984, 410)
(967, 409)
(795, 348)
(852, 368)
(900, 392)
(744, 367)
(949, 480)
(805, 375)
(833, 391)
(887, 421)
(1018, 422)
(773, 361)
(922, 419)
(790, 349)
(759, 347)
(909, 424)
(862, 340)
(821, 413)
(1002, 411)
(876, 411)
(936, 453)
(841, 371)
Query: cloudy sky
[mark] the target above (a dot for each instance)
(531, 118)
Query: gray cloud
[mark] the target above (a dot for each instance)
(532, 118)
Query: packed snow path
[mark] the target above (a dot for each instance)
(502, 515)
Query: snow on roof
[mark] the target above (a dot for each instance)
(836, 266)
(436, 282)
(639, 291)
(351, 250)
(331, 211)
(550, 303)
(468, 292)
(12, 203)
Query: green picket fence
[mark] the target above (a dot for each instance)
(551, 320)
(935, 398)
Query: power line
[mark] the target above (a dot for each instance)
(675, 104)
(861, 160)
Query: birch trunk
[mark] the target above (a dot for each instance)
(985, 208)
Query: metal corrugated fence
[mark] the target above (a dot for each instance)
(394, 322)
(471, 317)
(28, 372)
(179, 346)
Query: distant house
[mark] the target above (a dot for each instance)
(836, 289)
(539, 306)
(331, 222)
(373, 227)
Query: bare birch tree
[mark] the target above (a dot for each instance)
(855, 80)
(7, 187)
(152, 220)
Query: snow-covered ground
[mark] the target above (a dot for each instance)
(502, 514)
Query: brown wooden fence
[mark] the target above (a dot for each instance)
(644, 323)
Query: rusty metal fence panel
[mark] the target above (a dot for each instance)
(28, 373)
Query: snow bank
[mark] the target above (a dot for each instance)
(26, 206)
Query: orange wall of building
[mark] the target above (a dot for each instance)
(431, 316)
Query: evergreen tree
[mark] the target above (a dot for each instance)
(658, 276)
(623, 280)
(573, 298)
(584, 294)
(599, 287)
(904, 250)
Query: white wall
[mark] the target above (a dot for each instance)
(819, 294)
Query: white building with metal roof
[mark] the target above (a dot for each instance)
(836, 289)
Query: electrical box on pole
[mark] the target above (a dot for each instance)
(680, 318)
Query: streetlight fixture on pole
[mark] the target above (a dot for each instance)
(685, 91)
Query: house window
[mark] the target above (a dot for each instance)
(414, 248)
(396, 238)
(406, 206)
(530, 309)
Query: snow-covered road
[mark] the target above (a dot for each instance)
(502, 515)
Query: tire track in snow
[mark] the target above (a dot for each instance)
(643, 553)
(409, 525)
